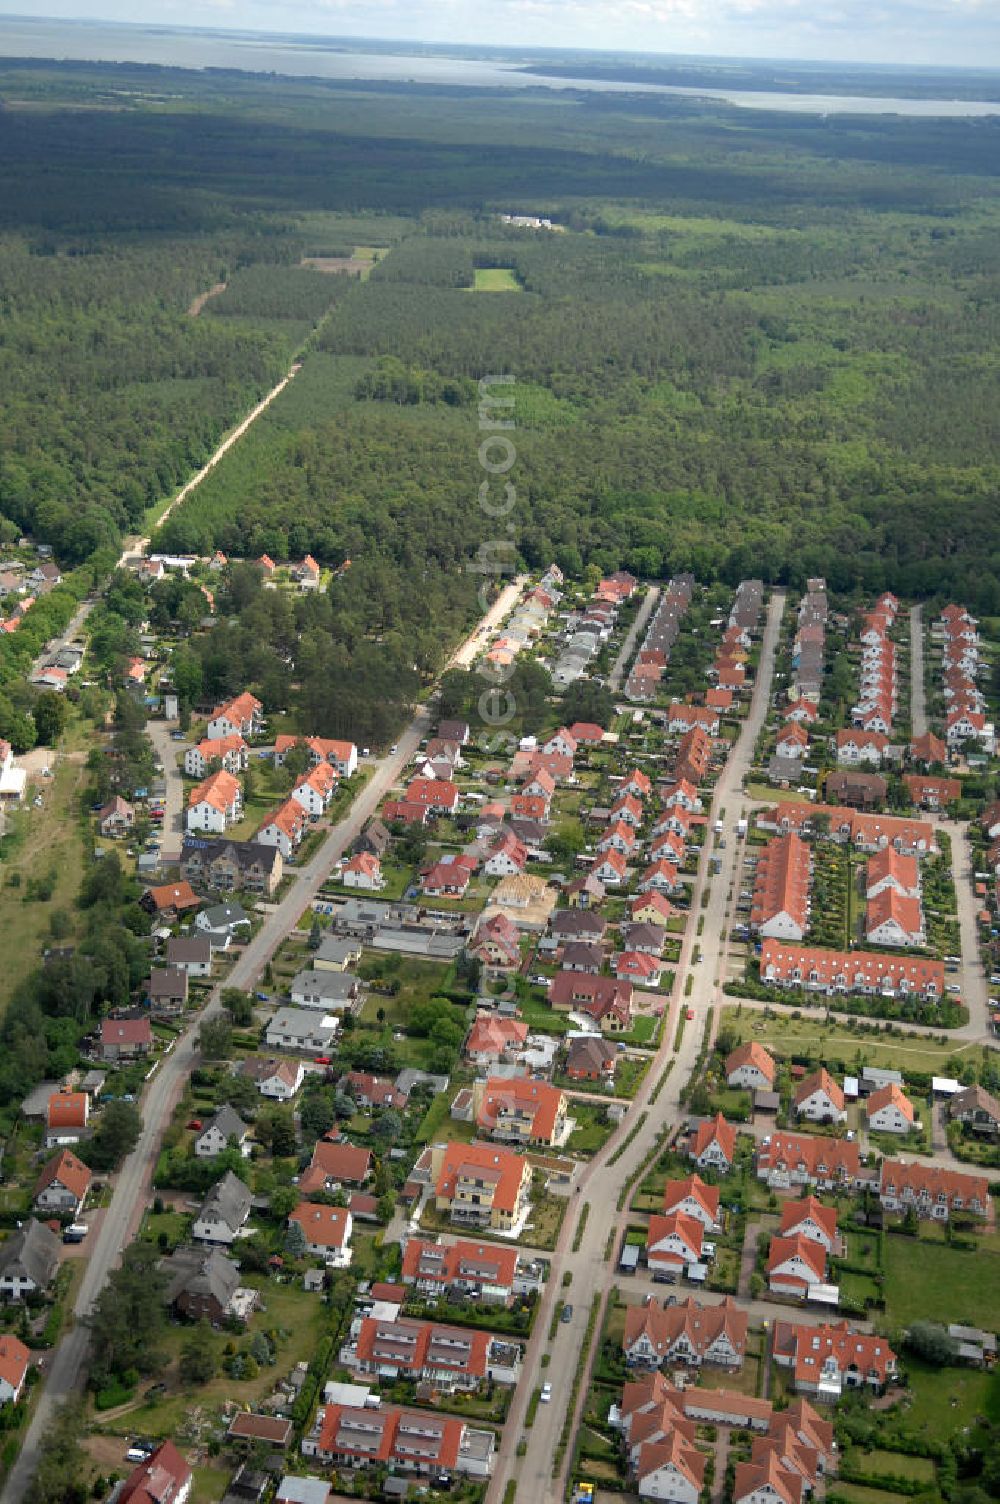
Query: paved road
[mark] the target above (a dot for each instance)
(918, 698)
(600, 1182)
(166, 749)
(642, 616)
(132, 1187)
(975, 993)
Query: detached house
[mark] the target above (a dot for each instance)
(29, 1260)
(327, 1231)
(481, 1186)
(889, 1110)
(819, 1099)
(672, 1242)
(809, 1218)
(795, 1265)
(14, 1362)
(230, 752)
(713, 1145)
(125, 1038)
(693, 1198)
(215, 804)
(284, 828)
(751, 1067)
(242, 716)
(62, 1186)
(223, 1212)
(224, 1127)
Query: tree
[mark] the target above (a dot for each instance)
(117, 1135)
(276, 1128)
(50, 714)
(929, 1340)
(62, 1462)
(239, 1006)
(215, 1039)
(315, 935)
(284, 1200)
(295, 1241)
(129, 1316)
(387, 1127)
(198, 1362)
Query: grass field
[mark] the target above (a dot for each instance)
(832, 1042)
(495, 279)
(939, 1283)
(40, 842)
(857, 1493)
(946, 1400)
(887, 1464)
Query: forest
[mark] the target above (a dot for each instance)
(754, 345)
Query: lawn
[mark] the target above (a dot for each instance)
(945, 1400)
(857, 1493)
(940, 1283)
(40, 843)
(832, 1042)
(495, 279)
(887, 1464)
(592, 1128)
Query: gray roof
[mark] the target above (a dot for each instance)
(32, 1251)
(192, 1271)
(331, 986)
(182, 949)
(299, 1023)
(36, 1103)
(167, 981)
(222, 916)
(411, 1077)
(228, 1122)
(228, 1201)
(578, 924)
(336, 951)
(303, 1490)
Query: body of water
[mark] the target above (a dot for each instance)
(317, 58)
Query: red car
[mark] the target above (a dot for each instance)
(322, 1060)
(689, 1014)
(195, 1125)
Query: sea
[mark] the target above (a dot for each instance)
(316, 57)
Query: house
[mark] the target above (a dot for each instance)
(809, 1218)
(404, 1441)
(751, 1067)
(888, 869)
(241, 716)
(932, 793)
(116, 818)
(464, 1270)
(228, 866)
(682, 718)
(363, 870)
(301, 1029)
(928, 750)
(792, 741)
(590, 1058)
(661, 877)
(230, 752)
(63, 1185)
(171, 900)
(644, 937)
(125, 1038)
(215, 803)
(787, 1159)
(651, 908)
(223, 918)
(608, 1000)
(404, 812)
(331, 991)
(819, 1099)
(687, 1333)
(269, 1430)
(492, 1039)
(14, 1361)
(694, 1199)
(932, 1192)
(191, 954)
(891, 919)
(223, 1212)
(638, 966)
(12, 778)
(164, 1478)
(67, 1117)
(672, 1242)
(284, 828)
(481, 1186)
(795, 1264)
(496, 944)
(831, 971)
(277, 1079)
(219, 1132)
(202, 1284)
(889, 1110)
(167, 989)
(855, 747)
(315, 789)
(780, 904)
(447, 878)
(766, 1481)
(507, 858)
(374, 839)
(827, 1359)
(373, 1092)
(452, 1359)
(713, 1145)
(520, 1110)
(29, 1259)
(627, 809)
(612, 868)
(437, 795)
(327, 1231)
(671, 1468)
(862, 790)
(335, 1164)
(977, 1110)
(341, 756)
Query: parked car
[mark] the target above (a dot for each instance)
(567, 1313)
(546, 1394)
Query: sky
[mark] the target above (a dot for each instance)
(915, 32)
